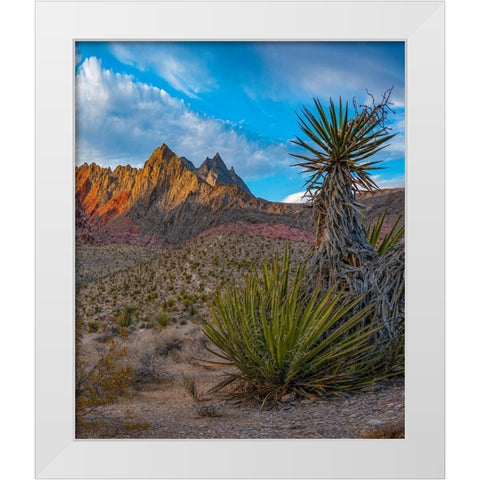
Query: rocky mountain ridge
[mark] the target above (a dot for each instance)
(168, 201)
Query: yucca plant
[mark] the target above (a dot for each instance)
(280, 340)
(339, 147)
(390, 239)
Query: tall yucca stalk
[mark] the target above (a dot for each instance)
(339, 147)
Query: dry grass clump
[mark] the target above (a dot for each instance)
(190, 386)
(201, 408)
(149, 367)
(102, 383)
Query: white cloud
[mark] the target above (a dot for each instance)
(395, 182)
(120, 120)
(295, 198)
(337, 70)
(171, 62)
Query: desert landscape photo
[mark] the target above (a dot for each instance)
(240, 251)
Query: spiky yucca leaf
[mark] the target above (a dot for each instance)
(338, 142)
(281, 341)
(390, 239)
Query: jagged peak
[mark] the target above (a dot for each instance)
(215, 163)
(188, 164)
(161, 154)
(164, 151)
(124, 168)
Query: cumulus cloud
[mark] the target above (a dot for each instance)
(394, 182)
(295, 198)
(120, 120)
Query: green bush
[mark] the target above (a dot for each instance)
(163, 319)
(282, 341)
(125, 317)
(92, 327)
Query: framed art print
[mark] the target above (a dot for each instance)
(239, 239)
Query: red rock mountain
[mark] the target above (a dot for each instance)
(169, 201)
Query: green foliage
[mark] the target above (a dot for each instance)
(282, 341)
(381, 245)
(92, 327)
(341, 143)
(163, 319)
(151, 296)
(125, 317)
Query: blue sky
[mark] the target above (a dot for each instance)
(235, 98)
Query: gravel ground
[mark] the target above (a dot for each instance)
(171, 413)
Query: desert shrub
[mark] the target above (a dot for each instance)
(168, 344)
(151, 296)
(103, 383)
(281, 339)
(110, 331)
(124, 317)
(146, 372)
(200, 408)
(190, 386)
(92, 327)
(163, 319)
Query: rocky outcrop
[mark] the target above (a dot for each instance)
(169, 201)
(214, 171)
(391, 201)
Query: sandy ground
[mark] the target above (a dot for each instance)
(169, 291)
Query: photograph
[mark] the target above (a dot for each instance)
(239, 239)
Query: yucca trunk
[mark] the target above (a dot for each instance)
(341, 243)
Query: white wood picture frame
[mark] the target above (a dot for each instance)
(58, 25)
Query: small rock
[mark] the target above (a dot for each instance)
(375, 421)
(288, 397)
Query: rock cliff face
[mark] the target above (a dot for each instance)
(169, 201)
(214, 171)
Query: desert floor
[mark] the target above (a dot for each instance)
(149, 302)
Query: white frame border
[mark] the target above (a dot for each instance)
(58, 25)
